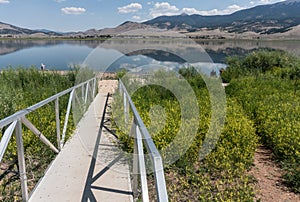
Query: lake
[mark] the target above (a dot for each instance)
(131, 54)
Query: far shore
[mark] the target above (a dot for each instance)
(205, 36)
(102, 75)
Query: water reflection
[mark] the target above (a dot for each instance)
(143, 54)
(62, 54)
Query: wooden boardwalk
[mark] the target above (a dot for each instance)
(89, 167)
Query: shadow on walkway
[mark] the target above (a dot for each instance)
(88, 194)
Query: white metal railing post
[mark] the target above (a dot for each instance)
(135, 165)
(66, 119)
(57, 120)
(86, 92)
(15, 121)
(21, 161)
(160, 181)
(82, 93)
(6, 138)
(142, 136)
(126, 108)
(94, 87)
(142, 165)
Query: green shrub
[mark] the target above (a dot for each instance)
(220, 176)
(21, 88)
(260, 62)
(273, 105)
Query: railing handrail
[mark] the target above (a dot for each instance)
(24, 112)
(156, 158)
(17, 119)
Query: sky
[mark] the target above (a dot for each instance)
(81, 15)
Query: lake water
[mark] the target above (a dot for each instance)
(130, 54)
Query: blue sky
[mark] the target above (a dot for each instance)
(81, 15)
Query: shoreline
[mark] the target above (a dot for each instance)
(197, 37)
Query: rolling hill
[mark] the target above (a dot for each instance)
(263, 19)
(279, 20)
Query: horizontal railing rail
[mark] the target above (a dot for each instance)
(141, 135)
(15, 121)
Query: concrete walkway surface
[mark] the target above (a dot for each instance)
(90, 167)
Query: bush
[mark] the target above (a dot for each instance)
(220, 176)
(260, 62)
(21, 88)
(273, 105)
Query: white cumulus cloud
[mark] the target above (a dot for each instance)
(163, 8)
(190, 11)
(233, 8)
(260, 2)
(130, 8)
(73, 10)
(4, 1)
(136, 17)
(265, 1)
(59, 1)
(230, 9)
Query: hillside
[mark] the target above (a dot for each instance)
(264, 19)
(273, 21)
(11, 30)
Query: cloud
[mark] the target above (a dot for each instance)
(233, 8)
(163, 8)
(59, 1)
(73, 10)
(136, 17)
(166, 8)
(130, 8)
(4, 1)
(264, 1)
(260, 2)
(191, 11)
(230, 9)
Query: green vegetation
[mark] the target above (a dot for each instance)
(21, 88)
(221, 176)
(270, 97)
(263, 107)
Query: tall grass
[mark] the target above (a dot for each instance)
(21, 88)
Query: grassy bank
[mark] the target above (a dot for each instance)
(221, 175)
(262, 108)
(21, 88)
(266, 85)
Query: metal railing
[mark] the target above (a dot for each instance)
(141, 135)
(15, 121)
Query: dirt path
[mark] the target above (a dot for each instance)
(269, 184)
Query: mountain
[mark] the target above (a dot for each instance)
(126, 29)
(11, 30)
(279, 20)
(263, 19)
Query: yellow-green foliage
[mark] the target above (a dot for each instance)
(220, 176)
(274, 106)
(21, 88)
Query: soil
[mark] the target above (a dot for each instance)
(269, 182)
